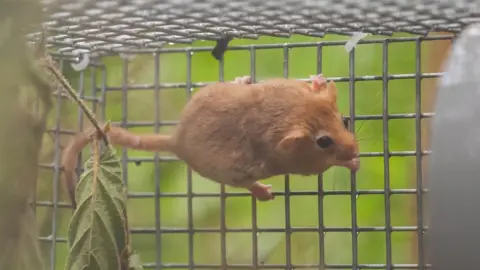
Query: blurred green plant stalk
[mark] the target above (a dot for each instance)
(21, 133)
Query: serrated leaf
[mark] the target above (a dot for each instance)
(134, 262)
(97, 235)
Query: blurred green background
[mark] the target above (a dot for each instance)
(303, 209)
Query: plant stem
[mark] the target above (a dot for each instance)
(77, 99)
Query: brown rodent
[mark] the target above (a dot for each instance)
(237, 133)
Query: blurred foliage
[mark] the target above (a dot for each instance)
(24, 104)
(139, 106)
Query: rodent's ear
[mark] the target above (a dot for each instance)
(332, 91)
(293, 140)
(320, 86)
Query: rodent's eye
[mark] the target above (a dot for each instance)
(324, 142)
(346, 122)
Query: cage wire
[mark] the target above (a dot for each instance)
(83, 32)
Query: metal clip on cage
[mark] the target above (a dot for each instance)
(87, 33)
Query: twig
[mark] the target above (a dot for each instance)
(74, 95)
(39, 51)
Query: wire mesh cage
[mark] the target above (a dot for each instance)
(136, 63)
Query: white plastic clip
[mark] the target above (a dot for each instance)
(352, 42)
(84, 60)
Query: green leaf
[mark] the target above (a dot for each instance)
(135, 263)
(98, 232)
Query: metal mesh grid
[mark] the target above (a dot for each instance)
(102, 27)
(99, 103)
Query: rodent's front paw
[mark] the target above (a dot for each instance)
(319, 78)
(243, 80)
(318, 82)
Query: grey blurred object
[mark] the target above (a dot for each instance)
(105, 27)
(454, 238)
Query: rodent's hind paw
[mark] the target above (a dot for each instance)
(243, 80)
(262, 192)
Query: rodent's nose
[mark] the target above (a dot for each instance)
(349, 156)
(348, 152)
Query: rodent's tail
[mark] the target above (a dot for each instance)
(116, 136)
(146, 142)
(69, 163)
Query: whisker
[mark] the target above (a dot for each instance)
(363, 139)
(360, 126)
(360, 129)
(379, 103)
(371, 110)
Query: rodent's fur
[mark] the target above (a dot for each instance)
(237, 133)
